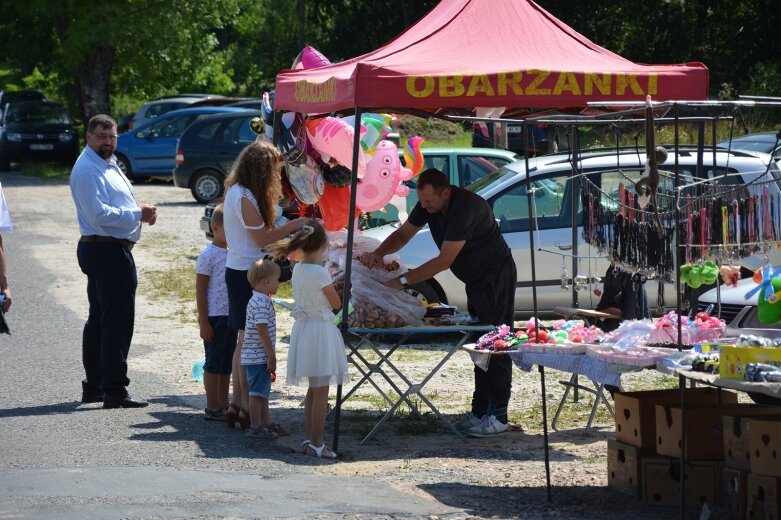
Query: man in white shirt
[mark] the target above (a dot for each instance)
(110, 224)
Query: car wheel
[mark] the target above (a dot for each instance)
(206, 185)
(430, 291)
(124, 166)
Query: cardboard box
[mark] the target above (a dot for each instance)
(662, 479)
(736, 430)
(734, 493)
(765, 447)
(733, 360)
(704, 439)
(624, 470)
(635, 411)
(763, 500)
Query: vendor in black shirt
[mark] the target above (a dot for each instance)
(472, 247)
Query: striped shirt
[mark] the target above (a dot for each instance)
(260, 310)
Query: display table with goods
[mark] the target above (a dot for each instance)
(382, 319)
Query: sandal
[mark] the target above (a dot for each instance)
(278, 429)
(304, 446)
(319, 451)
(243, 419)
(232, 415)
(214, 414)
(261, 432)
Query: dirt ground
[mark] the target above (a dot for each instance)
(488, 478)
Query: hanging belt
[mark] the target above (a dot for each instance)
(127, 244)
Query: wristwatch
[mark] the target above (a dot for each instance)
(403, 281)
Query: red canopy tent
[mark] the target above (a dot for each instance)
(485, 53)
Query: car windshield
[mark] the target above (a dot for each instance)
(751, 146)
(36, 113)
(506, 171)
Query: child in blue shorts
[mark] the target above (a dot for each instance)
(258, 356)
(219, 339)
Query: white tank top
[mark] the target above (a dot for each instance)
(242, 248)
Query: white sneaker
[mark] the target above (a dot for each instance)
(468, 421)
(488, 427)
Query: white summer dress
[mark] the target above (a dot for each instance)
(316, 345)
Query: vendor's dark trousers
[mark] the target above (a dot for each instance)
(493, 301)
(111, 291)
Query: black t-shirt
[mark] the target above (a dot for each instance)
(468, 217)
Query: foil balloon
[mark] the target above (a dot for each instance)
(413, 155)
(333, 138)
(336, 175)
(306, 181)
(384, 175)
(309, 58)
(335, 207)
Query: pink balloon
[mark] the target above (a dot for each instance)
(333, 138)
(384, 175)
(309, 58)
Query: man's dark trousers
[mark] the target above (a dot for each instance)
(492, 299)
(111, 291)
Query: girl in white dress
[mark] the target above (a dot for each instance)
(316, 357)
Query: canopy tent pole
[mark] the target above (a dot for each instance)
(348, 261)
(529, 196)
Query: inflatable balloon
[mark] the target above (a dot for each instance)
(306, 181)
(413, 155)
(372, 136)
(335, 207)
(337, 176)
(333, 138)
(309, 58)
(383, 178)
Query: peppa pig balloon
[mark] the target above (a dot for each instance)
(384, 175)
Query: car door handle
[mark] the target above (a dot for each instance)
(564, 247)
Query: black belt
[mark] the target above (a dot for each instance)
(127, 244)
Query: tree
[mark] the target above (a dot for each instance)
(144, 47)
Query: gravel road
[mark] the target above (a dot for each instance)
(61, 459)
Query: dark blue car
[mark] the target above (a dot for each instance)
(150, 149)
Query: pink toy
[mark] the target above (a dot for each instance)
(413, 155)
(333, 138)
(384, 175)
(309, 58)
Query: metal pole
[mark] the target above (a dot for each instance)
(348, 263)
(529, 196)
(681, 379)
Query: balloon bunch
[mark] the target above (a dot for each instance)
(318, 156)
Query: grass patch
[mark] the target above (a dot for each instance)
(176, 283)
(45, 170)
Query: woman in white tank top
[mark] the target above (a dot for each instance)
(253, 191)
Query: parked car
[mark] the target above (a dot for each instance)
(160, 106)
(11, 96)
(463, 165)
(505, 190)
(543, 139)
(150, 149)
(767, 142)
(740, 313)
(37, 130)
(207, 149)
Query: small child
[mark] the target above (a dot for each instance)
(258, 357)
(316, 357)
(219, 339)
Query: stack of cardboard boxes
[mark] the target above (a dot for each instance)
(722, 441)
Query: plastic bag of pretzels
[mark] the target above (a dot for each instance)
(378, 306)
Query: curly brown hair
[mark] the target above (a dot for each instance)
(257, 168)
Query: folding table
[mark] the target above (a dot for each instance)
(361, 339)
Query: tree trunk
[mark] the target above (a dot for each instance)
(94, 79)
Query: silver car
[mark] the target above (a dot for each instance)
(505, 191)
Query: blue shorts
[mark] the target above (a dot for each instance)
(239, 295)
(259, 380)
(219, 351)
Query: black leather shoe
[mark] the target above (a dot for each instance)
(91, 397)
(127, 402)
